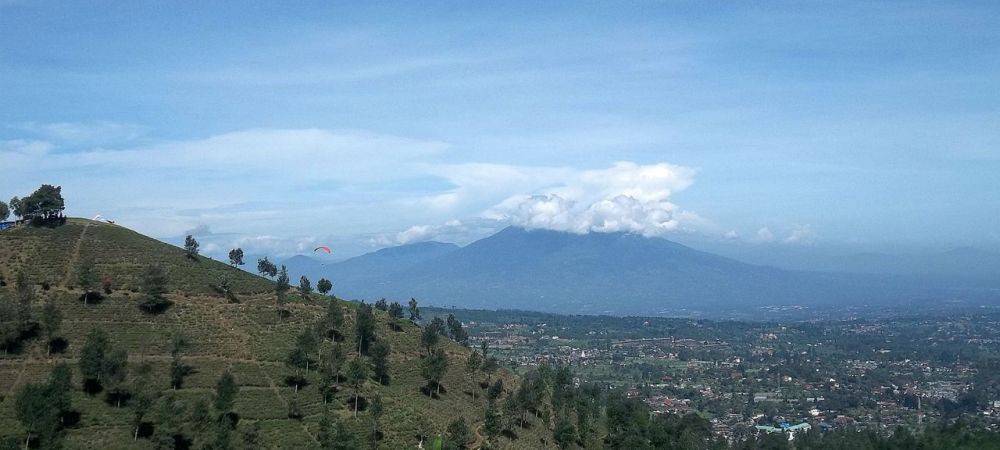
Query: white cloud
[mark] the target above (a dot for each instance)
(85, 133)
(764, 234)
(627, 197)
(801, 234)
(421, 233)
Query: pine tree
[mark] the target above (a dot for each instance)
(364, 328)
(225, 393)
(191, 247)
(51, 321)
(357, 373)
(433, 368)
(414, 310)
(281, 288)
(380, 361)
(305, 287)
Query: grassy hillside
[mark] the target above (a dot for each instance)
(247, 338)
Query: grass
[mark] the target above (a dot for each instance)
(246, 338)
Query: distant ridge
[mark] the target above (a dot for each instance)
(613, 273)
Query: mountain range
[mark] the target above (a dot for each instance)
(608, 273)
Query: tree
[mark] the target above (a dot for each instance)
(281, 288)
(305, 288)
(236, 257)
(395, 311)
(333, 319)
(154, 287)
(491, 421)
(324, 286)
(357, 373)
(191, 247)
(495, 390)
(380, 361)
(382, 305)
(565, 432)
(114, 373)
(225, 393)
(169, 416)
(92, 355)
(457, 434)
(17, 207)
(414, 310)
(86, 277)
(51, 321)
(10, 329)
(34, 410)
(4, 211)
(61, 389)
(266, 268)
(251, 436)
(455, 330)
(336, 436)
(144, 396)
(178, 370)
(46, 202)
(472, 366)
(429, 337)
(433, 368)
(376, 409)
(306, 346)
(332, 363)
(25, 292)
(364, 328)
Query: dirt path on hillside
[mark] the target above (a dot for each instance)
(75, 256)
(480, 440)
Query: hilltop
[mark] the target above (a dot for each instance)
(243, 334)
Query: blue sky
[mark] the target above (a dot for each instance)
(276, 126)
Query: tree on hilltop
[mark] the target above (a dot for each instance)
(305, 288)
(266, 268)
(324, 286)
(455, 330)
(4, 211)
(236, 257)
(191, 247)
(414, 310)
(281, 288)
(382, 305)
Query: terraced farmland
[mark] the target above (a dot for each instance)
(247, 338)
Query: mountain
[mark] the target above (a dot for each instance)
(367, 266)
(242, 333)
(615, 273)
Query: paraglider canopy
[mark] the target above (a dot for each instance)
(322, 248)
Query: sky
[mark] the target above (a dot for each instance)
(277, 126)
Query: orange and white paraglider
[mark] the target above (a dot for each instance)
(323, 248)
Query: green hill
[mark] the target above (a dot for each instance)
(246, 337)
